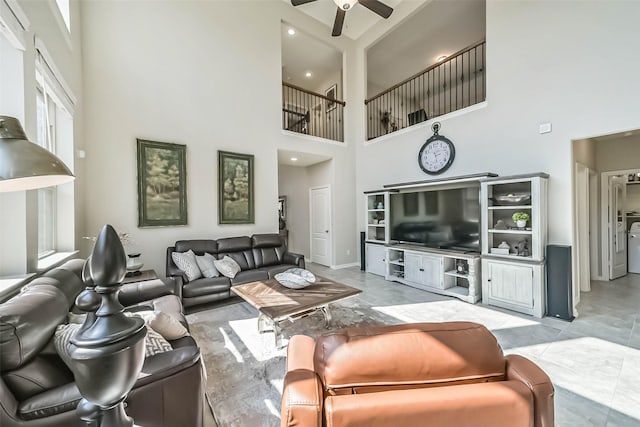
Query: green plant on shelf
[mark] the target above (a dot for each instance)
(520, 216)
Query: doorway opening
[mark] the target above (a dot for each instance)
(305, 181)
(606, 186)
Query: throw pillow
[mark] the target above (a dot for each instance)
(207, 266)
(186, 261)
(155, 343)
(166, 325)
(227, 266)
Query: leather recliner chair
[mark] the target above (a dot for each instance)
(436, 374)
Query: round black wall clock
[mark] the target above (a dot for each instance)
(437, 154)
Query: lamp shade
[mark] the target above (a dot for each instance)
(25, 165)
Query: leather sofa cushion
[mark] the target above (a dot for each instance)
(27, 323)
(272, 270)
(68, 278)
(244, 258)
(205, 286)
(394, 355)
(499, 404)
(51, 402)
(266, 240)
(234, 244)
(136, 292)
(249, 276)
(199, 247)
(268, 256)
(37, 376)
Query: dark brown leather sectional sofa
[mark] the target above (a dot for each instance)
(36, 387)
(260, 257)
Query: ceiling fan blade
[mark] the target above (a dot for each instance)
(377, 7)
(299, 2)
(337, 24)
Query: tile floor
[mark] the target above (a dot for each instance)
(594, 361)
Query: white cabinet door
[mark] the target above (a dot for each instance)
(511, 283)
(413, 271)
(514, 286)
(375, 261)
(425, 270)
(432, 271)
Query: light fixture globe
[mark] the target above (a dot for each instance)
(345, 4)
(25, 165)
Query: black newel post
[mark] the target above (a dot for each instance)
(108, 351)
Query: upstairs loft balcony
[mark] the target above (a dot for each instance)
(312, 113)
(457, 82)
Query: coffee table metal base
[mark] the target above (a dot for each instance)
(267, 324)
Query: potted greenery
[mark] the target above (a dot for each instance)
(520, 218)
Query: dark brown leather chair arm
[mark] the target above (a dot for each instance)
(293, 258)
(527, 372)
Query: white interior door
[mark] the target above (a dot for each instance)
(617, 227)
(320, 213)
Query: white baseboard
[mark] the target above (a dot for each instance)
(338, 267)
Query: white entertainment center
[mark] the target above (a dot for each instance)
(506, 270)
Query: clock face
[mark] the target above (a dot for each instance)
(436, 155)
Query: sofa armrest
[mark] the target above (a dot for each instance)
(301, 399)
(293, 258)
(522, 369)
(302, 390)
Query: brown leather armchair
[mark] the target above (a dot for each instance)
(440, 374)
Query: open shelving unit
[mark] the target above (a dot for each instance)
(515, 280)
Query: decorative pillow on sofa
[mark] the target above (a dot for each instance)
(227, 266)
(186, 261)
(296, 278)
(154, 343)
(166, 325)
(207, 266)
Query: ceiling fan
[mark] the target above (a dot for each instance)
(344, 5)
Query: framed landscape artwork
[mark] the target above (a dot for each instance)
(235, 188)
(162, 184)
(331, 93)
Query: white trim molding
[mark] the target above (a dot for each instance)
(341, 266)
(13, 23)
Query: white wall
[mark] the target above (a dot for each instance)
(293, 182)
(186, 72)
(542, 61)
(618, 154)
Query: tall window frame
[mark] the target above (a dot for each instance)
(47, 197)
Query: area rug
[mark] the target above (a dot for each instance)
(244, 369)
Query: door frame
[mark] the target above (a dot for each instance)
(582, 273)
(331, 251)
(604, 216)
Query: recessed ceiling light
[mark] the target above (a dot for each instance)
(291, 32)
(308, 74)
(441, 58)
(294, 159)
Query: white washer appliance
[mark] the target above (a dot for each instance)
(634, 248)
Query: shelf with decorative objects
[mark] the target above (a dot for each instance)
(377, 208)
(514, 237)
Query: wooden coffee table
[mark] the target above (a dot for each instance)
(276, 303)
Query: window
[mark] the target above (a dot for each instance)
(63, 6)
(46, 114)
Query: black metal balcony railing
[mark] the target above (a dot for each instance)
(311, 113)
(455, 83)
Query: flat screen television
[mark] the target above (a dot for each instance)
(444, 219)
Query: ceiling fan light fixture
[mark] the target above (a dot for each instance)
(345, 4)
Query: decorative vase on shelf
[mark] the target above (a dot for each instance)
(521, 223)
(380, 206)
(134, 264)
